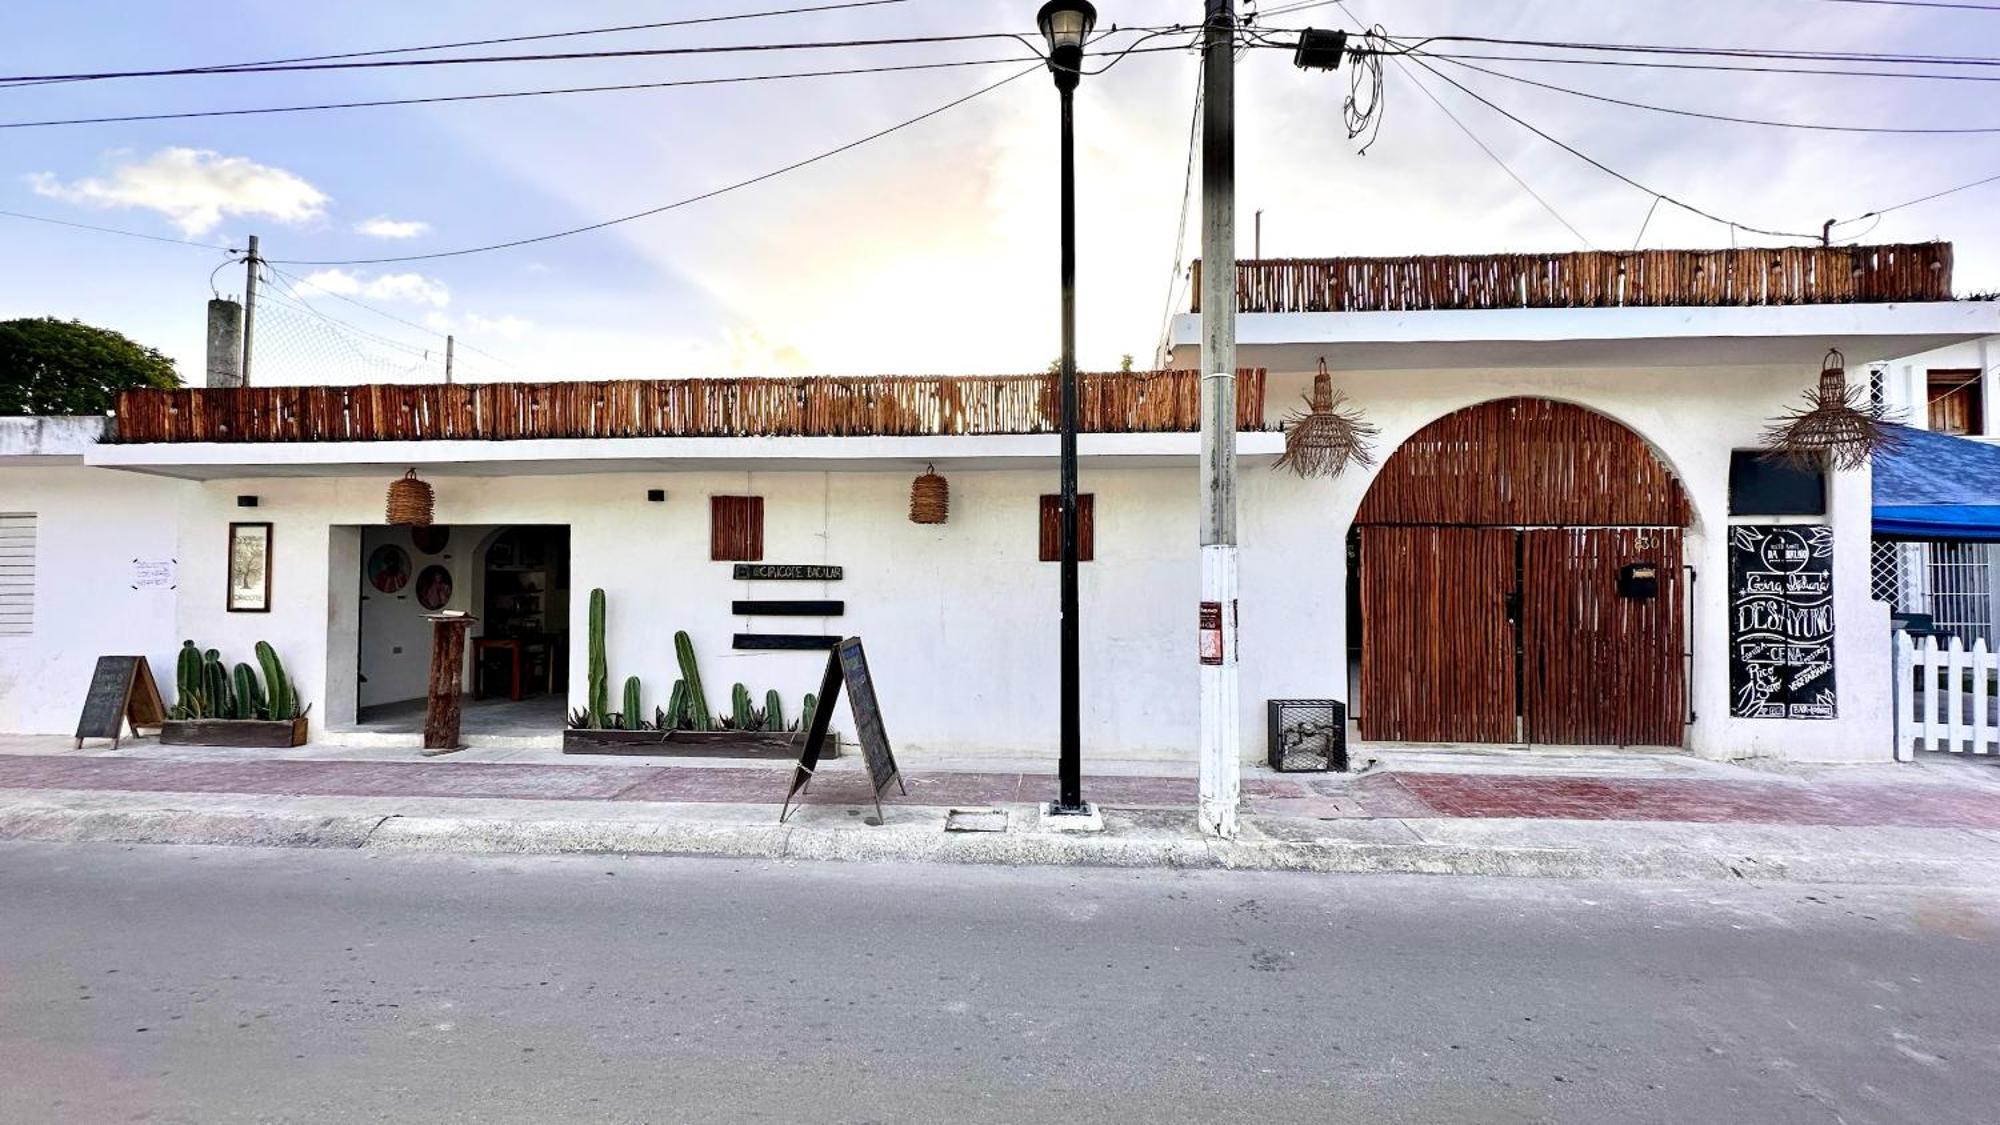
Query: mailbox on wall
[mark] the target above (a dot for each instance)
(1639, 580)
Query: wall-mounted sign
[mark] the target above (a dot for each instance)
(154, 574)
(1781, 622)
(782, 572)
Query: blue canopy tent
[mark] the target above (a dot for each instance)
(1938, 487)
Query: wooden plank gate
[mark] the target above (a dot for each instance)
(1491, 549)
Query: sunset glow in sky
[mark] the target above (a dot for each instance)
(930, 250)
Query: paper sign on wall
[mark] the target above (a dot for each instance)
(154, 574)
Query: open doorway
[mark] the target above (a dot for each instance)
(514, 579)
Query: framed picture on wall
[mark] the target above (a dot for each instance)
(249, 568)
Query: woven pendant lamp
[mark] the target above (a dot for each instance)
(930, 497)
(1327, 437)
(1840, 426)
(411, 501)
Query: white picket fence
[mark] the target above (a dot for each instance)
(1946, 698)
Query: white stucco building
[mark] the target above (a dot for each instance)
(960, 617)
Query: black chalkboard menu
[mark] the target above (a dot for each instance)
(1781, 622)
(121, 690)
(847, 667)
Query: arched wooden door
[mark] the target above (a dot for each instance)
(1521, 580)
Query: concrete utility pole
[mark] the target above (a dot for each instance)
(250, 264)
(447, 358)
(1220, 745)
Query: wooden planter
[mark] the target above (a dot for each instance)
(782, 745)
(279, 733)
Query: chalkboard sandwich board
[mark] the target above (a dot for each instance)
(847, 668)
(121, 691)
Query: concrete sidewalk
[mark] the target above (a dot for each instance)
(1529, 814)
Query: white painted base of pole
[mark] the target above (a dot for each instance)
(1221, 753)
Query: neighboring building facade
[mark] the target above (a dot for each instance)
(1545, 552)
(1948, 580)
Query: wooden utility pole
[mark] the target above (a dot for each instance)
(1220, 768)
(250, 262)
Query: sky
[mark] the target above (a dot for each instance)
(930, 250)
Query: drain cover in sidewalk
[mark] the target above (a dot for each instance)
(975, 820)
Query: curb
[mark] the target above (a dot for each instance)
(916, 844)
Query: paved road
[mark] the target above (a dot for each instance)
(212, 985)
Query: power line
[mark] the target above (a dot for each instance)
(1603, 167)
(625, 86)
(651, 211)
(116, 230)
(1981, 182)
(1637, 64)
(1180, 231)
(1475, 138)
(1679, 112)
(1413, 43)
(560, 56)
(1922, 4)
(617, 29)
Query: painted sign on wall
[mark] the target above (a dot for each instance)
(1781, 622)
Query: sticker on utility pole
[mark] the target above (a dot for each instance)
(1211, 632)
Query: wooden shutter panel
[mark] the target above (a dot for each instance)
(1086, 528)
(736, 528)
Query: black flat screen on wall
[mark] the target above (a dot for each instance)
(1762, 485)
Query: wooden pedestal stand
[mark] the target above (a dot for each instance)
(441, 710)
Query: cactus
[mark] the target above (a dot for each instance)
(697, 701)
(811, 709)
(187, 682)
(774, 711)
(739, 703)
(633, 720)
(215, 686)
(600, 700)
(281, 699)
(677, 705)
(249, 697)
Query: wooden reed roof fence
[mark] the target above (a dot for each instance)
(1111, 402)
(1793, 275)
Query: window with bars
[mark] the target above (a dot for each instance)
(1952, 583)
(17, 573)
(1086, 534)
(736, 528)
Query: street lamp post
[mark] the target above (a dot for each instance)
(1066, 25)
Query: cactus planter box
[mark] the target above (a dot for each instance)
(260, 733)
(685, 743)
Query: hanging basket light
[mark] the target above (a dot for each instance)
(1839, 426)
(1327, 437)
(411, 501)
(930, 497)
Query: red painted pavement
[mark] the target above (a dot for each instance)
(1380, 795)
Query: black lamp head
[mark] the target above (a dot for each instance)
(1066, 25)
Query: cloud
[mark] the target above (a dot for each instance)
(384, 227)
(194, 188)
(504, 327)
(406, 288)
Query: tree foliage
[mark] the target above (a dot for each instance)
(50, 366)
